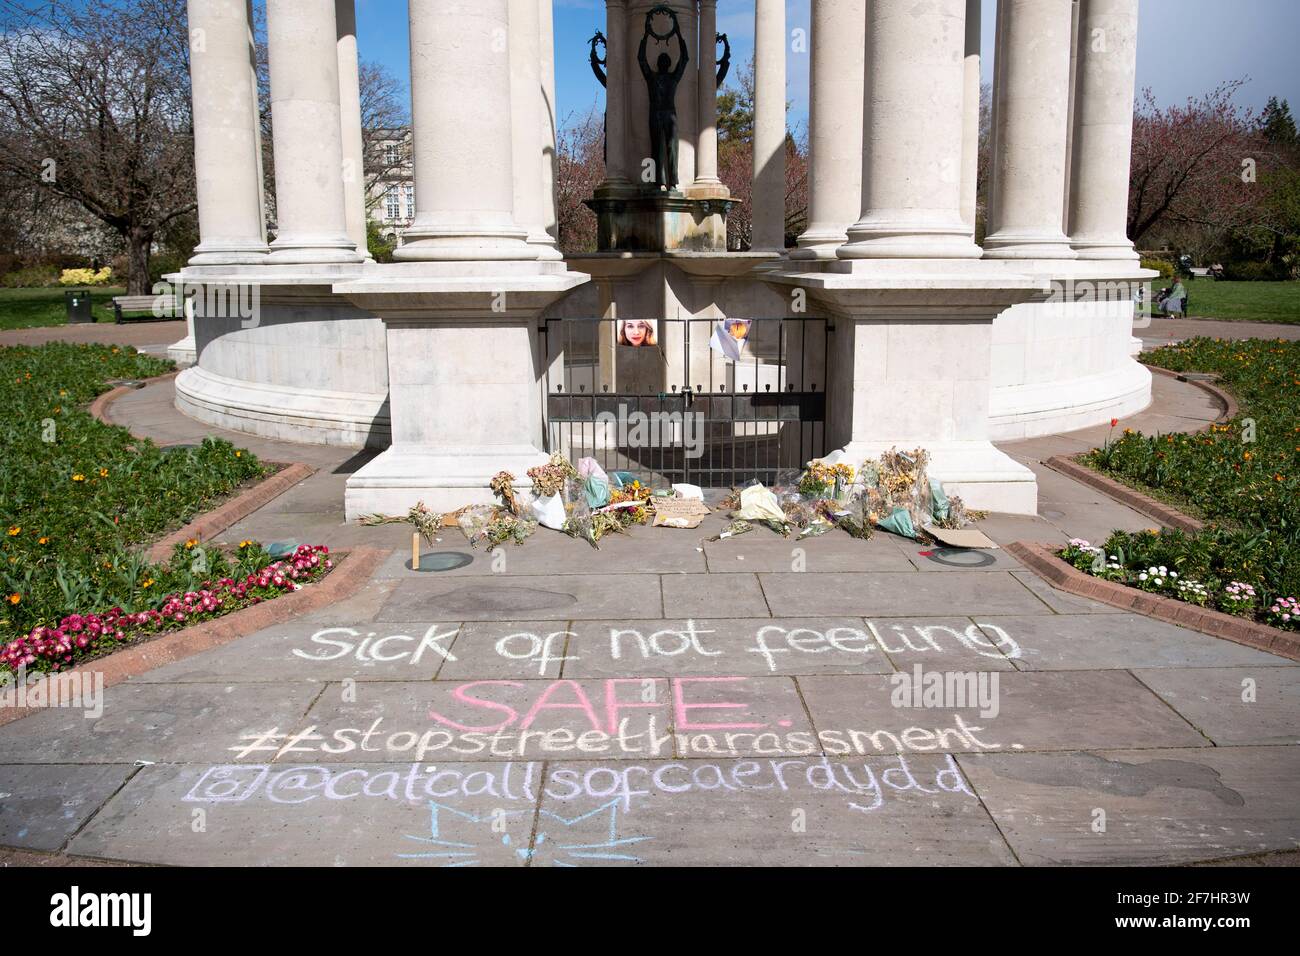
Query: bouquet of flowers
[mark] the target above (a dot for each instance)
(549, 479)
(427, 523)
(824, 480)
(493, 525)
(731, 530)
(503, 486)
(627, 507)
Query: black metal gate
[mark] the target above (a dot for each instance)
(672, 408)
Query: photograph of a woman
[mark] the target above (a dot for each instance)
(637, 332)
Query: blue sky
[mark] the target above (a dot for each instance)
(1187, 47)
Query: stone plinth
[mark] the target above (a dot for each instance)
(912, 348)
(659, 222)
(279, 355)
(1067, 362)
(464, 371)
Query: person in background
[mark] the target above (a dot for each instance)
(1176, 301)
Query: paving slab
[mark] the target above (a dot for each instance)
(494, 598)
(549, 553)
(1160, 807)
(751, 646)
(375, 815)
(1234, 705)
(1062, 602)
(316, 653)
(42, 806)
(881, 811)
(361, 607)
(155, 722)
(897, 595)
(1117, 641)
(708, 595)
(762, 550)
(1034, 711)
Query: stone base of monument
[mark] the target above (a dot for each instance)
(443, 479)
(463, 372)
(644, 221)
(912, 353)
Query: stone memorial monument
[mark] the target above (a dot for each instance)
(441, 359)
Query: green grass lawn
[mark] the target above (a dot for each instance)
(1244, 301)
(34, 308)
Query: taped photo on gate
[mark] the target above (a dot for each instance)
(636, 333)
(729, 337)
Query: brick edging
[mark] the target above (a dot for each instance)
(1230, 406)
(1043, 561)
(352, 569)
(1144, 504)
(236, 509)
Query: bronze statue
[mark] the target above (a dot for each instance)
(598, 64)
(724, 63)
(662, 85)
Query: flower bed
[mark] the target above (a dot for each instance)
(78, 637)
(1240, 476)
(1213, 573)
(79, 498)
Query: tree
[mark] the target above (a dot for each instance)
(736, 108)
(95, 109)
(1277, 124)
(384, 120)
(579, 169)
(1194, 164)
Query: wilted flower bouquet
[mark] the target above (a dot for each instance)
(496, 524)
(549, 479)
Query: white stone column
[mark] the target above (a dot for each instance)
(707, 184)
(1103, 130)
(302, 44)
(227, 143)
(550, 144)
(1031, 95)
(354, 162)
(768, 194)
(970, 140)
(835, 140)
(616, 78)
(913, 134)
(461, 127)
(527, 100)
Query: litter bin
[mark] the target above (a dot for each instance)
(78, 303)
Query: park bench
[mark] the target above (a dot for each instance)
(140, 308)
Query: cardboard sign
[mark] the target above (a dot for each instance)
(679, 512)
(966, 538)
